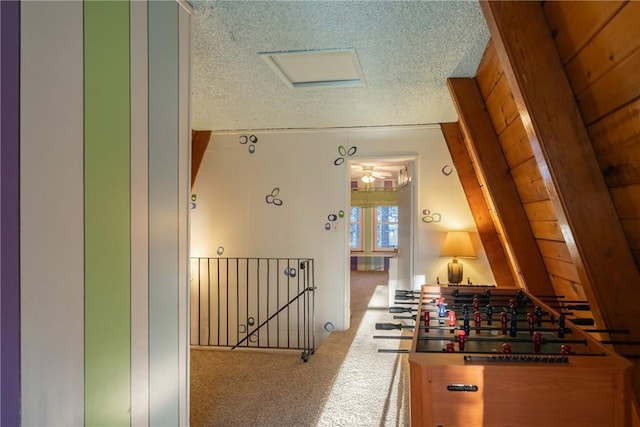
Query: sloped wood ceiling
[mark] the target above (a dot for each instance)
(552, 121)
(199, 142)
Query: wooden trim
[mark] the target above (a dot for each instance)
(565, 157)
(199, 142)
(485, 148)
(498, 260)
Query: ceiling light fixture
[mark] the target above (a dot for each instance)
(368, 178)
(316, 68)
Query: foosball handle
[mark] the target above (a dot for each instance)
(388, 326)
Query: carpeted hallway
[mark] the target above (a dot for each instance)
(345, 383)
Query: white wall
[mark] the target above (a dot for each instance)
(232, 212)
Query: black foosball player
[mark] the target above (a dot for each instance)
(561, 326)
(538, 312)
(489, 314)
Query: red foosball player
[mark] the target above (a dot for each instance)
(440, 301)
(565, 349)
(452, 318)
(477, 318)
(537, 342)
(462, 339)
(503, 322)
(450, 348)
(530, 321)
(506, 348)
(476, 303)
(427, 318)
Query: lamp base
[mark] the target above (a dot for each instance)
(454, 272)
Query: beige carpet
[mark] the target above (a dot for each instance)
(345, 383)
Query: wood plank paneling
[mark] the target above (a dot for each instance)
(618, 87)
(496, 255)
(502, 110)
(554, 250)
(609, 47)
(564, 270)
(559, 139)
(616, 141)
(489, 71)
(568, 289)
(529, 182)
(574, 23)
(547, 230)
(540, 211)
(484, 144)
(515, 143)
(627, 201)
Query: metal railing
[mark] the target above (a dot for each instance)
(254, 303)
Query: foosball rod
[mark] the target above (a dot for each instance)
(480, 295)
(579, 321)
(399, 326)
(484, 298)
(409, 310)
(503, 338)
(393, 350)
(576, 307)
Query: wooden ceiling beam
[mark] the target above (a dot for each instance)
(485, 147)
(496, 255)
(567, 163)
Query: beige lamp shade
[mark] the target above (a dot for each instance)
(458, 244)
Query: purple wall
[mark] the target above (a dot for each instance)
(10, 212)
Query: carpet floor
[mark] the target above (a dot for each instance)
(346, 382)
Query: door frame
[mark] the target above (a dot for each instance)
(413, 161)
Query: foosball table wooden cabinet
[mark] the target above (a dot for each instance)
(471, 366)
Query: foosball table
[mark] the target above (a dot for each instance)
(483, 356)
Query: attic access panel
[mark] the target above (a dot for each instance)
(316, 68)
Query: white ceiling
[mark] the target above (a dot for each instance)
(407, 50)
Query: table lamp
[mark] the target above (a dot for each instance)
(457, 244)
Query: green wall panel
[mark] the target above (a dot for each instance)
(107, 213)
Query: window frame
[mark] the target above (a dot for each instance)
(375, 223)
(360, 224)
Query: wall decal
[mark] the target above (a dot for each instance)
(291, 272)
(430, 217)
(341, 214)
(244, 139)
(272, 199)
(327, 226)
(220, 250)
(447, 170)
(194, 197)
(344, 153)
(332, 217)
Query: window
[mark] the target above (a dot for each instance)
(355, 232)
(386, 228)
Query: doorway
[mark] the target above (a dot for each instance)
(382, 193)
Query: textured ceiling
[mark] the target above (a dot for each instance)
(407, 50)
